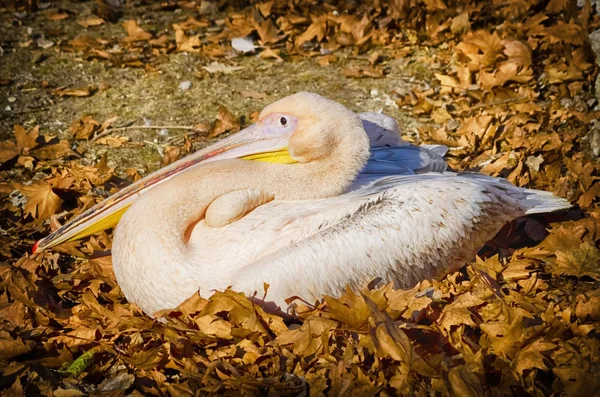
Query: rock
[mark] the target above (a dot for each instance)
(243, 44)
(44, 43)
(185, 85)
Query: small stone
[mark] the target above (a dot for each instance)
(7, 108)
(147, 122)
(243, 44)
(389, 102)
(44, 43)
(185, 85)
(12, 99)
(374, 93)
(163, 133)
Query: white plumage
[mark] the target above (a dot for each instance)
(403, 218)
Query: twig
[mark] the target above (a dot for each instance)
(142, 127)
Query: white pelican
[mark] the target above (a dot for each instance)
(316, 212)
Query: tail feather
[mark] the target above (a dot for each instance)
(539, 201)
(535, 201)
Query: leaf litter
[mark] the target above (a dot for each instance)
(511, 97)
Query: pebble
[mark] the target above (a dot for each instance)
(243, 44)
(185, 85)
(44, 43)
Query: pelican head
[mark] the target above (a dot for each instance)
(319, 127)
(303, 128)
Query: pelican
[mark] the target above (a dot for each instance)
(301, 201)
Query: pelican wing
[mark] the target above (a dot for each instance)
(403, 228)
(418, 160)
(401, 160)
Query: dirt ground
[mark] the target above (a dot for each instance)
(137, 96)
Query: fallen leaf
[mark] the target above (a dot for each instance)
(310, 338)
(187, 43)
(134, 32)
(42, 202)
(84, 128)
(75, 92)
(269, 53)
(25, 142)
(53, 152)
(216, 67)
(171, 154)
(531, 356)
(10, 347)
(8, 151)
(226, 122)
(92, 21)
(579, 261)
(58, 16)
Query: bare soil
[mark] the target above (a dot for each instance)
(137, 96)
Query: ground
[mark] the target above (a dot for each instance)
(134, 94)
(508, 87)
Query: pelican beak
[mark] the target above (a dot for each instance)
(252, 143)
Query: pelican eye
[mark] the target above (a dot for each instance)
(283, 121)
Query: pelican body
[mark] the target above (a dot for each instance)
(333, 209)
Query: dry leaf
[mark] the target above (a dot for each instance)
(269, 53)
(84, 128)
(226, 122)
(75, 92)
(134, 32)
(42, 202)
(53, 152)
(58, 16)
(187, 43)
(25, 142)
(92, 21)
(216, 67)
